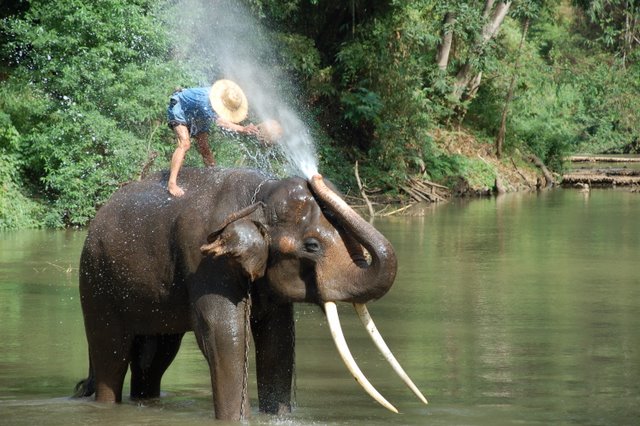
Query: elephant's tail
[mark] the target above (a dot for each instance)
(86, 387)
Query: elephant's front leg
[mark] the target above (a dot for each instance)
(274, 337)
(219, 325)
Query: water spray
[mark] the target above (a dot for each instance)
(225, 41)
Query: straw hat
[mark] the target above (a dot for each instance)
(269, 131)
(228, 101)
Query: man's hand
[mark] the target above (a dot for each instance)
(250, 129)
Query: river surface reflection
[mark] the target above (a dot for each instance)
(519, 310)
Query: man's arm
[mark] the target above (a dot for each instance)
(251, 129)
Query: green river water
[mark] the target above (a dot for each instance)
(520, 310)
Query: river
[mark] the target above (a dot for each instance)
(522, 309)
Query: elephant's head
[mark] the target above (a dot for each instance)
(310, 246)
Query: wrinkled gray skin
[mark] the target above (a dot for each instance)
(154, 267)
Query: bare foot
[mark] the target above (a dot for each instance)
(175, 190)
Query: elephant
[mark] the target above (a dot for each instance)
(227, 260)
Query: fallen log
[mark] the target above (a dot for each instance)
(429, 189)
(428, 183)
(396, 211)
(597, 159)
(524, 178)
(608, 172)
(571, 179)
(548, 177)
(417, 196)
(422, 190)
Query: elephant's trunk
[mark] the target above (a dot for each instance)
(361, 281)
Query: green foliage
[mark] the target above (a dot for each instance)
(84, 86)
(478, 173)
(609, 119)
(86, 95)
(541, 114)
(361, 106)
(16, 209)
(384, 99)
(541, 123)
(613, 25)
(442, 166)
(571, 96)
(466, 27)
(334, 163)
(299, 54)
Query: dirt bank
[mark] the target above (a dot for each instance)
(513, 172)
(483, 174)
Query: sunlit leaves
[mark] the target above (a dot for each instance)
(87, 85)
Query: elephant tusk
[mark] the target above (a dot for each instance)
(368, 323)
(336, 333)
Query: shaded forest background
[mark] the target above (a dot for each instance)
(84, 87)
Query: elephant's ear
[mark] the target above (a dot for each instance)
(244, 240)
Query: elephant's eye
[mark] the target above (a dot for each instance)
(311, 245)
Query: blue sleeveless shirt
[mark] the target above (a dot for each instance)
(191, 107)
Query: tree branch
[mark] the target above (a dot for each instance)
(372, 212)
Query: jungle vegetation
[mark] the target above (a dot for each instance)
(84, 86)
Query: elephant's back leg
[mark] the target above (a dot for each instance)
(107, 336)
(109, 351)
(150, 358)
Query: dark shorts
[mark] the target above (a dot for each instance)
(176, 116)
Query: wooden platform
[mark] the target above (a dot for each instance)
(599, 180)
(618, 171)
(602, 177)
(604, 159)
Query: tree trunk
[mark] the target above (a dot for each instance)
(488, 5)
(630, 36)
(462, 80)
(503, 121)
(466, 74)
(548, 177)
(473, 87)
(491, 28)
(447, 38)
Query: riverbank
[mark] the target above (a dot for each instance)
(484, 175)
